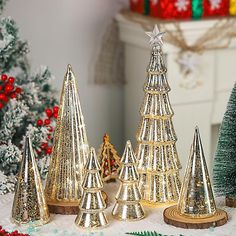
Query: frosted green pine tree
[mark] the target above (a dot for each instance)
(19, 113)
(225, 157)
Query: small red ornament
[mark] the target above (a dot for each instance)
(11, 80)
(1, 87)
(4, 77)
(39, 122)
(44, 145)
(18, 90)
(55, 115)
(5, 99)
(1, 105)
(2, 96)
(56, 109)
(49, 150)
(9, 88)
(47, 121)
(13, 95)
(48, 112)
(49, 136)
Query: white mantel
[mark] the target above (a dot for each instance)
(203, 106)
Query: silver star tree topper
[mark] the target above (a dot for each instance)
(155, 37)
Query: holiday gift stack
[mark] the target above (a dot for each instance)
(150, 177)
(184, 9)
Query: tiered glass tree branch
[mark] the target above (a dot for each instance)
(109, 160)
(158, 162)
(70, 151)
(29, 206)
(92, 205)
(128, 206)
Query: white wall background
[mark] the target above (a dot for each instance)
(70, 31)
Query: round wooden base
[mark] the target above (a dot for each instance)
(172, 217)
(64, 208)
(230, 201)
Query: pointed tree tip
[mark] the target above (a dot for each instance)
(128, 143)
(106, 138)
(196, 129)
(69, 67)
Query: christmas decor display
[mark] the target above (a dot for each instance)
(196, 207)
(169, 9)
(3, 232)
(140, 6)
(108, 159)
(215, 7)
(225, 158)
(92, 205)
(158, 162)
(70, 151)
(29, 206)
(232, 7)
(24, 96)
(128, 206)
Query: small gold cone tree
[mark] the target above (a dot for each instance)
(92, 205)
(196, 207)
(158, 162)
(109, 160)
(29, 205)
(128, 206)
(70, 151)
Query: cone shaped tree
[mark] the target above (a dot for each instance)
(127, 206)
(196, 207)
(158, 162)
(29, 206)
(92, 205)
(196, 198)
(109, 160)
(70, 151)
(225, 157)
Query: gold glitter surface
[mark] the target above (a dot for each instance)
(158, 162)
(127, 206)
(70, 147)
(92, 204)
(29, 206)
(196, 198)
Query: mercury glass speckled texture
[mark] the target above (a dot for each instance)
(92, 205)
(158, 162)
(128, 206)
(70, 147)
(196, 198)
(29, 205)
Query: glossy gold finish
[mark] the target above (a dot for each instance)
(29, 206)
(92, 205)
(70, 148)
(158, 162)
(128, 206)
(196, 198)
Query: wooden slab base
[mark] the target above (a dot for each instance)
(230, 201)
(64, 208)
(172, 217)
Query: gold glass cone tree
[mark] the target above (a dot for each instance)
(158, 162)
(70, 151)
(92, 205)
(29, 205)
(109, 160)
(196, 207)
(128, 206)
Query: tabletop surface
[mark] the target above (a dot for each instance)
(61, 225)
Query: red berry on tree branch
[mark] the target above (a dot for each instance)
(1, 105)
(18, 90)
(47, 121)
(48, 150)
(39, 122)
(4, 77)
(55, 109)
(48, 112)
(11, 80)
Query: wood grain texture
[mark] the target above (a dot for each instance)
(172, 217)
(69, 208)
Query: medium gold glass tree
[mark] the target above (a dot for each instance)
(70, 151)
(158, 162)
